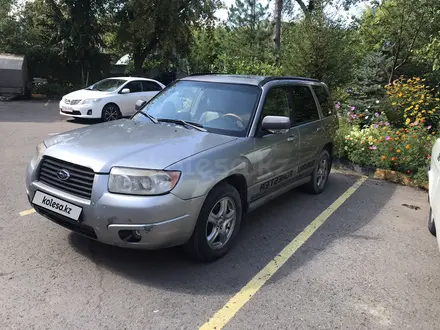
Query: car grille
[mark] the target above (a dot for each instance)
(71, 102)
(80, 182)
(67, 223)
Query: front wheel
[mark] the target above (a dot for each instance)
(431, 223)
(218, 224)
(320, 175)
(110, 112)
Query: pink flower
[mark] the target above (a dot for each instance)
(429, 157)
(338, 105)
(387, 124)
(377, 114)
(429, 127)
(353, 116)
(375, 126)
(381, 123)
(353, 108)
(348, 113)
(373, 148)
(387, 138)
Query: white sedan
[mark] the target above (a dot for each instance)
(434, 190)
(109, 99)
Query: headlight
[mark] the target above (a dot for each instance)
(141, 182)
(39, 154)
(90, 101)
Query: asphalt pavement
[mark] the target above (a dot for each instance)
(372, 264)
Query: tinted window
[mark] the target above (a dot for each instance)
(134, 86)
(277, 103)
(324, 99)
(150, 86)
(304, 105)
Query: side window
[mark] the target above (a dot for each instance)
(150, 86)
(324, 100)
(276, 103)
(134, 86)
(304, 105)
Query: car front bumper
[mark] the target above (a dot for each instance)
(161, 221)
(81, 110)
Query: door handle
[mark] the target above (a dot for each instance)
(320, 129)
(291, 138)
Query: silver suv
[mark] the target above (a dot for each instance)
(189, 164)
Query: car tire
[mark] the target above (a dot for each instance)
(320, 175)
(216, 228)
(431, 223)
(110, 112)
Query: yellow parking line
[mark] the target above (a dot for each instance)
(27, 212)
(224, 315)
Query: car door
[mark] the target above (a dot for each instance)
(274, 156)
(129, 100)
(149, 89)
(307, 119)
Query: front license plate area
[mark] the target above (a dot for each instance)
(57, 205)
(67, 109)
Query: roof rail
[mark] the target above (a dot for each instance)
(272, 78)
(202, 74)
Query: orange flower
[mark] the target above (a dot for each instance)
(393, 159)
(433, 133)
(408, 146)
(398, 150)
(384, 157)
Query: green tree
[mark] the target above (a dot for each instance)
(250, 30)
(156, 28)
(320, 48)
(398, 28)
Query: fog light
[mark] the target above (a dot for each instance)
(130, 236)
(89, 113)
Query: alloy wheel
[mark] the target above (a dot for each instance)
(111, 113)
(221, 223)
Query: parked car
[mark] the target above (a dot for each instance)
(434, 190)
(189, 164)
(109, 99)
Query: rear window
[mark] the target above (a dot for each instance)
(324, 100)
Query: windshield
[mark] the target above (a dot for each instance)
(107, 85)
(218, 107)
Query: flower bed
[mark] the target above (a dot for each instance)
(399, 137)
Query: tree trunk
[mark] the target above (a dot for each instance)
(138, 61)
(277, 10)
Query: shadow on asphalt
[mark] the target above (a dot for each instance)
(267, 231)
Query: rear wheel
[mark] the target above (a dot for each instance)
(431, 223)
(218, 224)
(320, 175)
(110, 112)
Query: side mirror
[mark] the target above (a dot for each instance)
(139, 104)
(276, 124)
(125, 91)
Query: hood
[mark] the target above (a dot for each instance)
(86, 94)
(129, 143)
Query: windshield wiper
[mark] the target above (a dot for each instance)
(154, 120)
(183, 122)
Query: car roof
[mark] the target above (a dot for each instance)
(132, 78)
(244, 79)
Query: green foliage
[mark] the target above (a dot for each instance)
(251, 30)
(319, 48)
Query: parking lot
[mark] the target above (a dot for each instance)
(372, 264)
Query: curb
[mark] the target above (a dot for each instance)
(378, 173)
